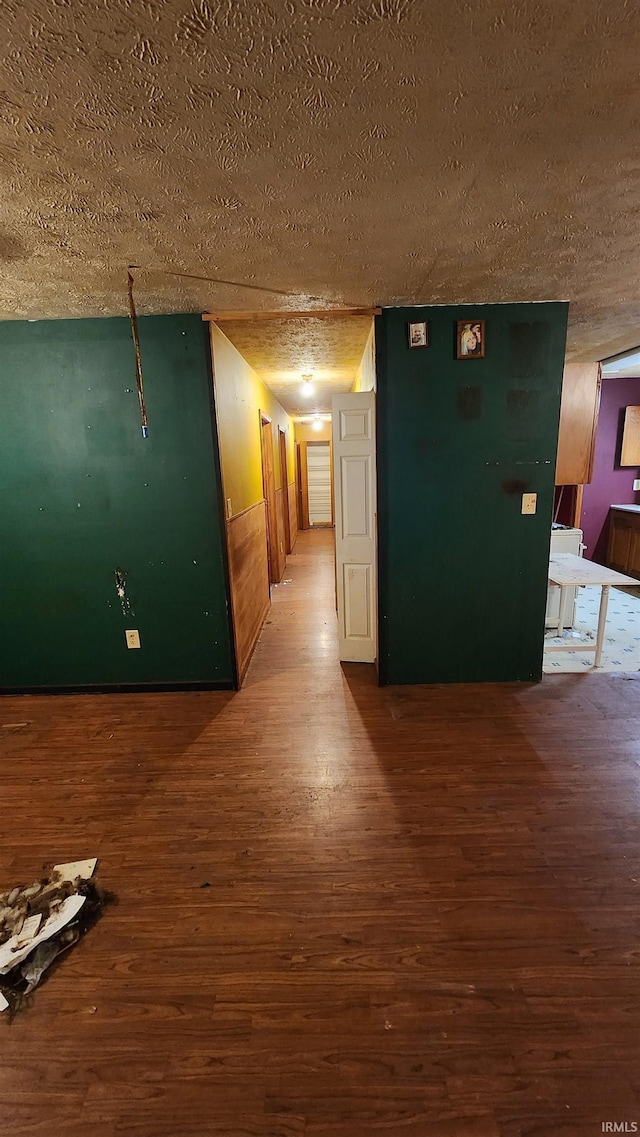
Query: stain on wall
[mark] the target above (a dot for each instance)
(469, 402)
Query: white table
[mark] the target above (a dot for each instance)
(566, 570)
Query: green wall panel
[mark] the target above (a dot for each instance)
(82, 493)
(463, 575)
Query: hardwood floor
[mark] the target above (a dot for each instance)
(422, 912)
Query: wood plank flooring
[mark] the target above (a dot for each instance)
(421, 917)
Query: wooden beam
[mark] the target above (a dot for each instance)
(318, 314)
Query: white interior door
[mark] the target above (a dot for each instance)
(354, 481)
(319, 483)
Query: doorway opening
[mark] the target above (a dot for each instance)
(596, 533)
(314, 464)
(307, 378)
(319, 484)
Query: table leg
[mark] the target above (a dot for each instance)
(564, 596)
(602, 619)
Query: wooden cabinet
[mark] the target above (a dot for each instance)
(623, 553)
(578, 420)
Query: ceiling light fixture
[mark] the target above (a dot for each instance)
(307, 385)
(316, 424)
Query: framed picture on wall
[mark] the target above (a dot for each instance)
(419, 335)
(470, 339)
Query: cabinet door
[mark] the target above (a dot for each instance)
(633, 566)
(578, 420)
(619, 545)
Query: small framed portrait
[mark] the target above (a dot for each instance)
(418, 335)
(470, 339)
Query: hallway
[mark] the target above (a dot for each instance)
(342, 910)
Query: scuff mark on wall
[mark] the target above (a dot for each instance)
(121, 589)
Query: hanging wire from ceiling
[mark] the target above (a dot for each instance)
(136, 343)
(219, 280)
(185, 276)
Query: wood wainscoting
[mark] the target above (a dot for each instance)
(293, 513)
(249, 579)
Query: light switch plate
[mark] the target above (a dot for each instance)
(636, 484)
(229, 509)
(133, 638)
(529, 502)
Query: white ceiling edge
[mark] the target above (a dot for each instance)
(623, 366)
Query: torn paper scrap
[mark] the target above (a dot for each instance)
(74, 869)
(29, 929)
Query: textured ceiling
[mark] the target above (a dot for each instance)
(281, 351)
(363, 151)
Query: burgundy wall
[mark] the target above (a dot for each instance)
(611, 484)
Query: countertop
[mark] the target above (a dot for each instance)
(627, 508)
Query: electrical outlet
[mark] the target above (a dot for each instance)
(133, 638)
(529, 502)
(636, 484)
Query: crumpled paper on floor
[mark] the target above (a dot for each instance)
(40, 921)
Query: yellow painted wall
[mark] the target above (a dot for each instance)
(365, 379)
(240, 399)
(306, 433)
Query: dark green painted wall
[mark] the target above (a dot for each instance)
(81, 493)
(463, 575)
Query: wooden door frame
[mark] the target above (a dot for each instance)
(304, 484)
(303, 487)
(284, 477)
(269, 492)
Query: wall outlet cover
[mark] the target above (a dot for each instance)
(529, 502)
(133, 638)
(636, 484)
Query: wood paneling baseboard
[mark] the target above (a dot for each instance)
(293, 514)
(249, 579)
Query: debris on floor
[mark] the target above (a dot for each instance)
(40, 921)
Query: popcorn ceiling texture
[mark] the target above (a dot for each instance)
(363, 151)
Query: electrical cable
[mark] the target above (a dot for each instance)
(136, 343)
